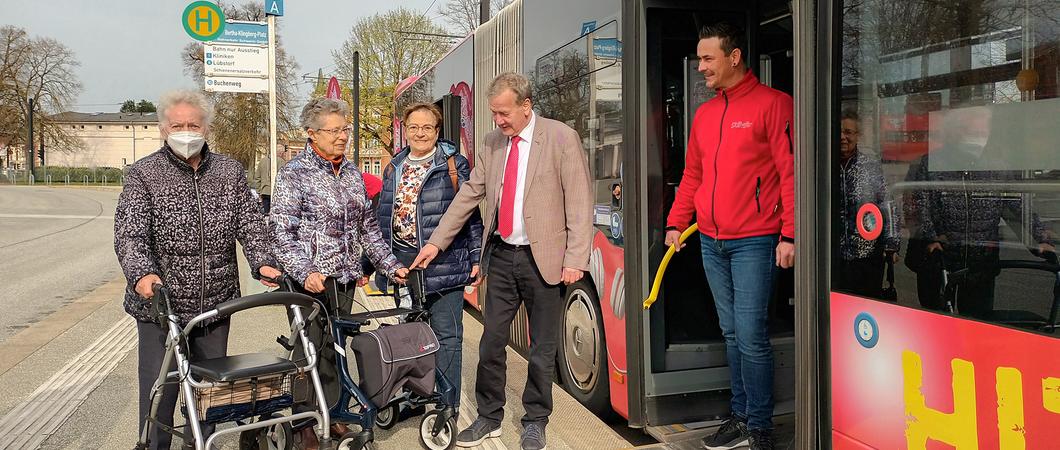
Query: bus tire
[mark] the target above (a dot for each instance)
(582, 351)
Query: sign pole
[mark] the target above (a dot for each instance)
(272, 101)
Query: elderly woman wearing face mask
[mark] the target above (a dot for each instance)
(324, 223)
(177, 222)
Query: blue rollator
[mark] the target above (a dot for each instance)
(252, 390)
(396, 367)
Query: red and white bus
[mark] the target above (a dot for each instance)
(854, 371)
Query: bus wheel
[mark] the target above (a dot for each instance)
(582, 352)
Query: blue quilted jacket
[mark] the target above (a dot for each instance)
(452, 268)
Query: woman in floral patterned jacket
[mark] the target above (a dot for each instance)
(323, 223)
(418, 186)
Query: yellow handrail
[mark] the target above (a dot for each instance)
(654, 294)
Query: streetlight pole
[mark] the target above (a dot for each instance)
(356, 94)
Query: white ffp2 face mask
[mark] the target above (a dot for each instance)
(186, 143)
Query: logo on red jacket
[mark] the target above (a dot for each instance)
(741, 124)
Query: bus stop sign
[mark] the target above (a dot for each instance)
(203, 20)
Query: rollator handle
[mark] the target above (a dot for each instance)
(654, 294)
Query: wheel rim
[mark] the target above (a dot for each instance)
(439, 442)
(580, 338)
(384, 416)
(276, 437)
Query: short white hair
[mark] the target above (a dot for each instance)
(313, 113)
(188, 97)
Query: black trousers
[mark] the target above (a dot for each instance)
(862, 276)
(513, 279)
(206, 342)
(318, 332)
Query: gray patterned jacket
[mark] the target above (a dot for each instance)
(182, 225)
(861, 182)
(323, 222)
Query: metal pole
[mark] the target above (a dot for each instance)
(272, 101)
(483, 11)
(29, 143)
(356, 94)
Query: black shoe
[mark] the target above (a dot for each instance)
(731, 434)
(479, 430)
(762, 439)
(533, 437)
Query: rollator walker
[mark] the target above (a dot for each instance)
(250, 389)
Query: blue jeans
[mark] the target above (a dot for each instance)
(447, 322)
(741, 273)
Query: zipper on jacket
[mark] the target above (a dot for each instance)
(717, 153)
(758, 190)
(787, 132)
(202, 241)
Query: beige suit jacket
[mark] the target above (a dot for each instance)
(557, 199)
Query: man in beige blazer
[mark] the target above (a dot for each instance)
(534, 178)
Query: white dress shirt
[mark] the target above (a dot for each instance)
(526, 138)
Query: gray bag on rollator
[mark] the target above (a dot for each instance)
(396, 356)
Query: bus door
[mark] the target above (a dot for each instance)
(450, 106)
(685, 374)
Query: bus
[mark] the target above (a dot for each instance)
(956, 104)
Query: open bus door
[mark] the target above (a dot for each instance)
(450, 106)
(677, 345)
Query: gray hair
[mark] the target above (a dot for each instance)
(514, 81)
(317, 108)
(188, 97)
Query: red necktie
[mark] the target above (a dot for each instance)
(511, 181)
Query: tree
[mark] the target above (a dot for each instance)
(129, 106)
(386, 59)
(145, 107)
(41, 68)
(463, 15)
(240, 127)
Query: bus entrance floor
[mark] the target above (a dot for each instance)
(689, 436)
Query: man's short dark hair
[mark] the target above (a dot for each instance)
(731, 36)
(851, 114)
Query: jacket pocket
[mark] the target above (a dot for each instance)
(758, 192)
(787, 133)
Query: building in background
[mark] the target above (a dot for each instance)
(109, 139)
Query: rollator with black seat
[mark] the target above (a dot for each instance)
(252, 390)
(396, 367)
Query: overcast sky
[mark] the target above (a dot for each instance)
(131, 48)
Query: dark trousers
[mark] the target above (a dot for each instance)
(335, 295)
(512, 280)
(266, 203)
(862, 276)
(206, 342)
(447, 314)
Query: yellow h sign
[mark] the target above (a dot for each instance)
(203, 20)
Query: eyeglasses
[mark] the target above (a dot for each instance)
(415, 129)
(336, 131)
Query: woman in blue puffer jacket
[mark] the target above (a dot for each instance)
(418, 186)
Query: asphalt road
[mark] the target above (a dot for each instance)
(56, 245)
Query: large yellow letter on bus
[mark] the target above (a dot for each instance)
(1051, 394)
(1010, 427)
(922, 423)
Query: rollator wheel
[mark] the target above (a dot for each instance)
(387, 417)
(276, 437)
(446, 438)
(349, 441)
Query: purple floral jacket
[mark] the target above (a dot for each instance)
(323, 222)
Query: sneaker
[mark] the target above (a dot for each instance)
(731, 434)
(762, 440)
(533, 437)
(479, 431)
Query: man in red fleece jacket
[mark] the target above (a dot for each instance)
(739, 181)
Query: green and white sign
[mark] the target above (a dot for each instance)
(203, 20)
